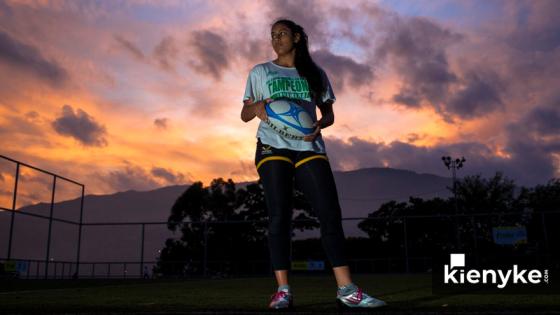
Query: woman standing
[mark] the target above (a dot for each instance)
(280, 161)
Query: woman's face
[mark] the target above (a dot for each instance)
(282, 39)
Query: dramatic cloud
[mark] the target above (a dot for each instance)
(211, 51)
(30, 59)
(544, 120)
(309, 14)
(418, 82)
(479, 96)
(358, 153)
(538, 25)
(28, 129)
(253, 51)
(346, 71)
(168, 175)
(130, 47)
(420, 50)
(533, 141)
(161, 123)
(32, 115)
(530, 162)
(165, 53)
(135, 177)
(131, 178)
(80, 126)
(5, 9)
(413, 137)
(416, 47)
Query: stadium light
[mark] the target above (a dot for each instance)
(454, 165)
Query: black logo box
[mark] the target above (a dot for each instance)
(546, 265)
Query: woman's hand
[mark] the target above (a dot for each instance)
(312, 136)
(327, 119)
(258, 108)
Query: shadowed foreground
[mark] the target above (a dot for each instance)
(405, 294)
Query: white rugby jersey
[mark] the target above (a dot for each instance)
(269, 80)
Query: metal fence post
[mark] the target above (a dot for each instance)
(80, 234)
(13, 212)
(142, 253)
(50, 229)
(205, 234)
(405, 246)
(545, 236)
(475, 240)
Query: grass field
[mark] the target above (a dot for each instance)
(404, 294)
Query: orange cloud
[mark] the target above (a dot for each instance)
(126, 73)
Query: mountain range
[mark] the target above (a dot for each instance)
(360, 193)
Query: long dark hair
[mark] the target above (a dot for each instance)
(305, 65)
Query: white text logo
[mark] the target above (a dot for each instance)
(455, 273)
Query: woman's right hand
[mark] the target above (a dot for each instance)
(258, 107)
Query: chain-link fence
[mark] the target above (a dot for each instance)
(52, 247)
(400, 244)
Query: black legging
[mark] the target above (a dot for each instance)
(315, 179)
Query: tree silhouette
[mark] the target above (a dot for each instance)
(478, 195)
(385, 227)
(235, 223)
(542, 225)
(431, 225)
(475, 195)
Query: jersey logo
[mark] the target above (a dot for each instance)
(266, 149)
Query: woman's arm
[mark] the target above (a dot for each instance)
(327, 114)
(250, 110)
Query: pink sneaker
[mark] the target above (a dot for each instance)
(281, 300)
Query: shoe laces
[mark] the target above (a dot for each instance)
(356, 296)
(278, 295)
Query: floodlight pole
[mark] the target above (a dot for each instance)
(453, 165)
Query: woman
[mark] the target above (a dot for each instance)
(279, 161)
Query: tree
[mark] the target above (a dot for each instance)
(537, 205)
(231, 223)
(475, 194)
(385, 229)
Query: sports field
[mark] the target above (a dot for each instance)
(405, 294)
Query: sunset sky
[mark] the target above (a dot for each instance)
(123, 95)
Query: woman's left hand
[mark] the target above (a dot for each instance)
(312, 136)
